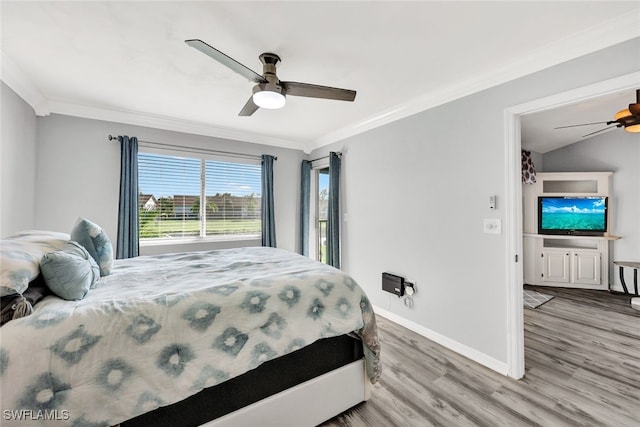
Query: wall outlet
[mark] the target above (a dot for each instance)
(492, 226)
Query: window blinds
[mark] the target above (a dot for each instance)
(171, 189)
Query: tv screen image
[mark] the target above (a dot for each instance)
(572, 215)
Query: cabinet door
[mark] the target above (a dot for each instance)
(586, 267)
(555, 266)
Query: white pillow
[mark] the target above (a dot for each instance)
(20, 258)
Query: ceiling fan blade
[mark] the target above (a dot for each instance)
(249, 108)
(598, 131)
(316, 91)
(214, 53)
(582, 124)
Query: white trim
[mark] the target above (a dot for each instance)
(18, 81)
(609, 33)
(447, 342)
(200, 239)
(169, 123)
(513, 201)
(307, 404)
(607, 87)
(513, 233)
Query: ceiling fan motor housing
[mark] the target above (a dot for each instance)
(271, 83)
(269, 61)
(635, 108)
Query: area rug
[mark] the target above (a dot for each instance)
(533, 299)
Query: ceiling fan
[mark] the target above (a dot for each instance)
(270, 92)
(629, 119)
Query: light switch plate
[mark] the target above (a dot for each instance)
(492, 226)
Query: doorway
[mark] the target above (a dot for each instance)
(513, 203)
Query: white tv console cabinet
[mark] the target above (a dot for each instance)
(570, 261)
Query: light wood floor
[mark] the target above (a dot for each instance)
(582, 362)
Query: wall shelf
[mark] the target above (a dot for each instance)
(570, 236)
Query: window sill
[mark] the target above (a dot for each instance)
(192, 240)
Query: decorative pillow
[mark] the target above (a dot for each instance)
(96, 242)
(16, 305)
(70, 273)
(20, 258)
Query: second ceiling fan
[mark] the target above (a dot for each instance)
(269, 91)
(628, 118)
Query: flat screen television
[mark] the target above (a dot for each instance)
(573, 215)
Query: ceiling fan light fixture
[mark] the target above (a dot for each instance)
(269, 99)
(622, 114)
(628, 120)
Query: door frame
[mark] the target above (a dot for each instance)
(513, 202)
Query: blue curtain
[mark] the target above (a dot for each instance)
(268, 218)
(305, 192)
(128, 244)
(333, 220)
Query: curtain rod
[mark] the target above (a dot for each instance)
(324, 157)
(195, 150)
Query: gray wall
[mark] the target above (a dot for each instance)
(18, 163)
(78, 174)
(416, 192)
(619, 152)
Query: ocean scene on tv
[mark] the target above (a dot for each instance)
(588, 213)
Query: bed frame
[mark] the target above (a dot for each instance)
(303, 388)
(315, 401)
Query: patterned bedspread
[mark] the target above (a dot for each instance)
(161, 328)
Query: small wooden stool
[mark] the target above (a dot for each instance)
(630, 264)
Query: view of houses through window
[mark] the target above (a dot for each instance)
(188, 197)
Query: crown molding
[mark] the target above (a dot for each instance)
(622, 83)
(171, 124)
(17, 80)
(606, 34)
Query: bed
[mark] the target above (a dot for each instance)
(226, 337)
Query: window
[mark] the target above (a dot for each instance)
(171, 189)
(322, 206)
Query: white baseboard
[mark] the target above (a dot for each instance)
(466, 351)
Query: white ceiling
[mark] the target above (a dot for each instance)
(127, 61)
(539, 131)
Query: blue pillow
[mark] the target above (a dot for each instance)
(69, 273)
(96, 242)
